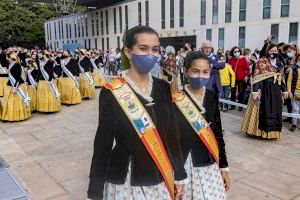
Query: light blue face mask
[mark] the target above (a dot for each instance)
(143, 63)
(290, 55)
(199, 82)
(298, 63)
(236, 54)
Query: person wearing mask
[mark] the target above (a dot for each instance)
(227, 76)
(32, 82)
(263, 117)
(293, 85)
(16, 102)
(86, 82)
(216, 64)
(290, 57)
(241, 68)
(198, 114)
(68, 83)
(3, 71)
(136, 112)
(48, 97)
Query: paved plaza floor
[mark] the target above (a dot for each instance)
(51, 155)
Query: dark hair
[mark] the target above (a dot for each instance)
(270, 46)
(233, 48)
(297, 57)
(130, 35)
(290, 46)
(194, 55)
(246, 50)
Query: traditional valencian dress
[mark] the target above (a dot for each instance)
(128, 171)
(68, 85)
(48, 97)
(264, 118)
(3, 79)
(32, 82)
(16, 106)
(86, 83)
(201, 154)
(97, 74)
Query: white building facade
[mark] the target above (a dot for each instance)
(246, 23)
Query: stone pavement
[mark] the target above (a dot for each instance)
(51, 154)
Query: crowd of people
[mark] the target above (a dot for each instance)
(169, 99)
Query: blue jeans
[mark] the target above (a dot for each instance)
(224, 95)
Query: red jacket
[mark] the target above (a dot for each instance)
(241, 67)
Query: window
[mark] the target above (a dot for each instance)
(86, 27)
(118, 41)
(221, 38)
(89, 43)
(208, 34)
(181, 13)
(107, 25)
(163, 14)
(215, 12)
(126, 17)
(203, 12)
(70, 30)
(267, 9)
(274, 33)
(93, 27)
(228, 7)
(67, 30)
(62, 29)
(101, 23)
(242, 37)
(147, 12)
(96, 45)
(107, 43)
(115, 20)
(140, 13)
(55, 35)
(97, 23)
(103, 48)
(82, 26)
(78, 26)
(85, 43)
(293, 35)
(171, 13)
(120, 19)
(243, 5)
(285, 8)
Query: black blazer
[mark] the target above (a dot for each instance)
(190, 141)
(111, 164)
(73, 67)
(16, 72)
(49, 68)
(86, 64)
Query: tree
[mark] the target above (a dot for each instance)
(22, 23)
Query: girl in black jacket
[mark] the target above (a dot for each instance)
(204, 175)
(126, 170)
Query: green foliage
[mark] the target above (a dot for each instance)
(23, 23)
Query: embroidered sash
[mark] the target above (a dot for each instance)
(197, 121)
(50, 83)
(70, 75)
(31, 80)
(86, 75)
(2, 70)
(144, 127)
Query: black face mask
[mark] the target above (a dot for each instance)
(273, 55)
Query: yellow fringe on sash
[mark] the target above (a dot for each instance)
(86, 90)
(14, 108)
(68, 92)
(3, 83)
(46, 100)
(251, 121)
(98, 81)
(32, 94)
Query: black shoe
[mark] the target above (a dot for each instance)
(289, 120)
(293, 128)
(231, 107)
(225, 110)
(240, 109)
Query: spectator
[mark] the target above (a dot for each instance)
(216, 64)
(293, 85)
(241, 69)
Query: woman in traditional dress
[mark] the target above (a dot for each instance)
(3, 78)
(97, 72)
(16, 103)
(48, 97)
(86, 82)
(32, 82)
(201, 136)
(137, 112)
(68, 84)
(263, 117)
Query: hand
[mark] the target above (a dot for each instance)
(285, 95)
(77, 78)
(226, 179)
(246, 79)
(14, 90)
(291, 95)
(255, 95)
(179, 191)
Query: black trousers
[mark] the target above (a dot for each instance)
(241, 87)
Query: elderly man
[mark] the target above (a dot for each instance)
(216, 64)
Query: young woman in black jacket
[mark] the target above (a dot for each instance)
(198, 116)
(126, 170)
